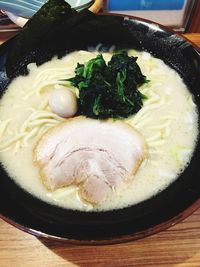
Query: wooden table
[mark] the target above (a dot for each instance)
(178, 246)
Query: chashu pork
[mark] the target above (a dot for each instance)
(97, 156)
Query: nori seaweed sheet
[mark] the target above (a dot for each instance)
(57, 29)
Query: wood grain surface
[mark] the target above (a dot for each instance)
(178, 246)
(194, 23)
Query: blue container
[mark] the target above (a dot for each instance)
(114, 5)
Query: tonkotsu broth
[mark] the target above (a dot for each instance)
(168, 121)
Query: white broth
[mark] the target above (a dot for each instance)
(168, 121)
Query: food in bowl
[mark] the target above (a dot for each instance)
(167, 122)
(87, 153)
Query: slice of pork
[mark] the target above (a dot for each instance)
(97, 156)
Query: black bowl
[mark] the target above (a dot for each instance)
(179, 200)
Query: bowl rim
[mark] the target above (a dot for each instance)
(159, 25)
(166, 28)
(115, 240)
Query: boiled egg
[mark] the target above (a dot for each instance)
(63, 102)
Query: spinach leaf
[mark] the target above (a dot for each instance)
(109, 90)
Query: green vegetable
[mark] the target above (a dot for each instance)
(109, 90)
(180, 153)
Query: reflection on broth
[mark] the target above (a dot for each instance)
(168, 122)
